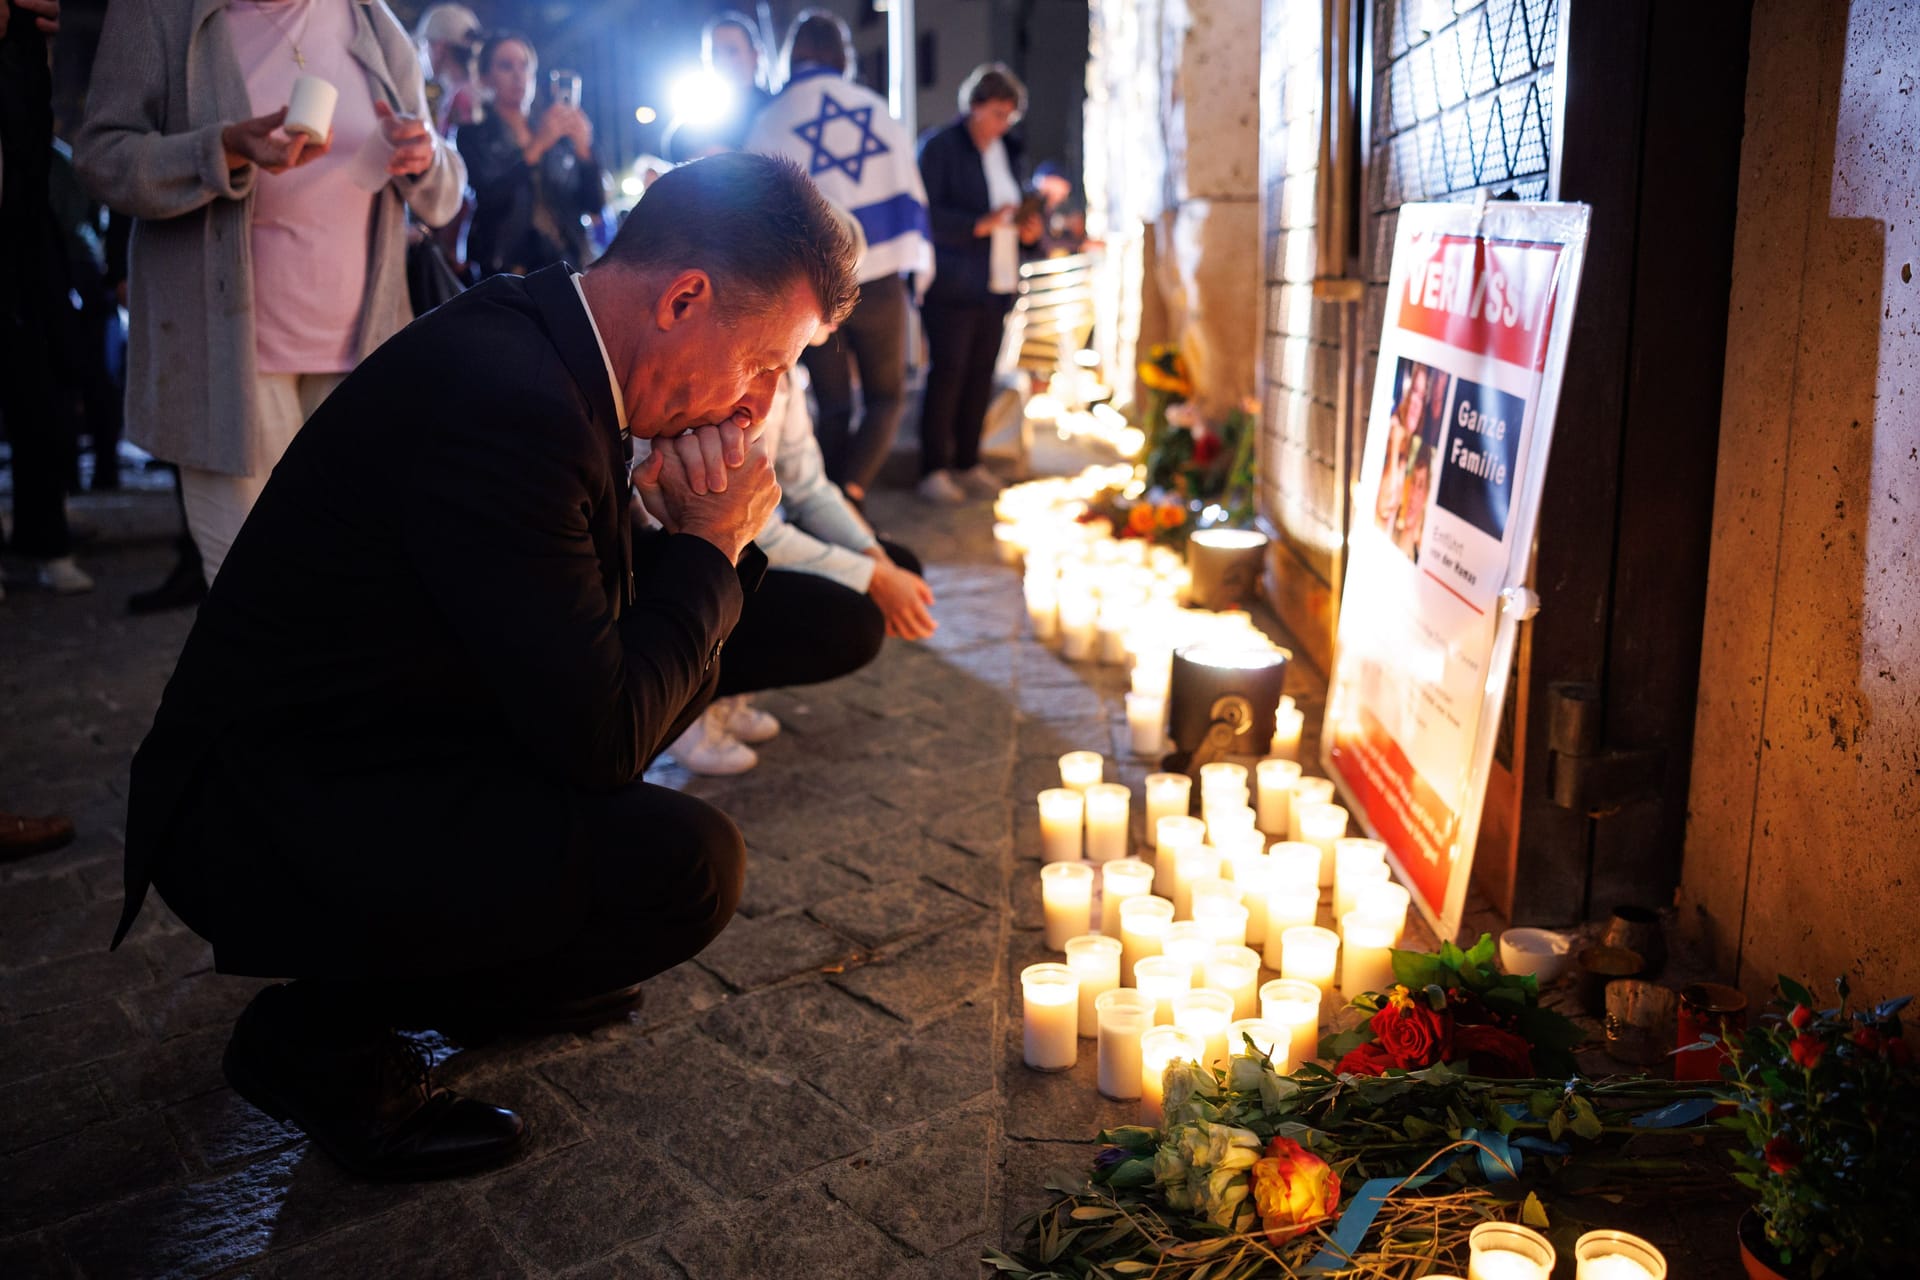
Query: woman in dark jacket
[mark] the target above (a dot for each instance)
(970, 168)
(533, 180)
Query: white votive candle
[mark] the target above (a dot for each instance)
(1190, 943)
(1159, 1048)
(1217, 887)
(1095, 960)
(1387, 903)
(1081, 769)
(1346, 891)
(1354, 861)
(1252, 875)
(1043, 609)
(1115, 618)
(1079, 626)
(1309, 791)
(1268, 1040)
(1144, 922)
(1236, 971)
(1288, 721)
(1508, 1251)
(1366, 950)
(1274, 781)
(1295, 864)
(1224, 920)
(1124, 1015)
(1169, 795)
(1321, 824)
(1190, 863)
(1172, 836)
(1146, 723)
(1615, 1255)
(1295, 1005)
(1227, 824)
(1108, 804)
(1206, 1013)
(1066, 898)
(1121, 879)
(1163, 978)
(1152, 672)
(1310, 954)
(1050, 1008)
(1290, 908)
(1062, 810)
(1222, 773)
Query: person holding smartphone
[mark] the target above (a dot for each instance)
(534, 177)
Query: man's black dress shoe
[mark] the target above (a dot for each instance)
(361, 1092)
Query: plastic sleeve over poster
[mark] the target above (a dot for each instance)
(1473, 347)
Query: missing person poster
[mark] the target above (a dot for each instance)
(1480, 301)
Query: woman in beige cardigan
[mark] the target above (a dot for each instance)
(263, 268)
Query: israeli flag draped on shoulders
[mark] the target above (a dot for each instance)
(860, 157)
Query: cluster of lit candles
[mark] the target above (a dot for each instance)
(1509, 1251)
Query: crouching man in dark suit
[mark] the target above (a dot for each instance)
(399, 760)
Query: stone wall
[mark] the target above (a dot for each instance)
(1801, 854)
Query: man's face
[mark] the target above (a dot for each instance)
(731, 55)
(715, 367)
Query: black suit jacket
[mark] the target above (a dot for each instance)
(956, 182)
(429, 635)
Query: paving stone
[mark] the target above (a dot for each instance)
(985, 828)
(786, 1236)
(23, 897)
(47, 1106)
(789, 884)
(891, 911)
(76, 980)
(906, 1080)
(684, 991)
(795, 1022)
(991, 664)
(928, 978)
(589, 1199)
(979, 880)
(73, 930)
(448, 1237)
(159, 1074)
(551, 1120)
(927, 1188)
(173, 956)
(68, 1037)
(47, 1184)
(1057, 1105)
(756, 953)
(647, 1263)
(192, 1004)
(221, 1128)
(1027, 1168)
(821, 828)
(29, 1258)
(964, 1261)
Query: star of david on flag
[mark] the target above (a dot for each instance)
(813, 133)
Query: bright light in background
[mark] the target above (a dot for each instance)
(631, 185)
(645, 115)
(701, 97)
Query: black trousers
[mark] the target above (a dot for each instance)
(963, 342)
(801, 628)
(874, 339)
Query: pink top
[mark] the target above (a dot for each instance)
(311, 224)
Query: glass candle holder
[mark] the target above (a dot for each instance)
(1346, 892)
(1288, 724)
(1163, 977)
(1095, 960)
(1615, 1255)
(1160, 1047)
(1387, 903)
(1169, 795)
(1269, 1040)
(1229, 823)
(1153, 673)
(1222, 773)
(1066, 899)
(1216, 887)
(1274, 779)
(1062, 811)
(1321, 824)
(1043, 608)
(1172, 836)
(1081, 769)
(1366, 955)
(1190, 943)
(1079, 626)
(1296, 865)
(1309, 791)
(1147, 724)
(1121, 879)
(1206, 1013)
(1224, 919)
(1123, 1016)
(1295, 1005)
(1144, 921)
(1050, 1005)
(1508, 1251)
(1236, 971)
(1310, 954)
(1108, 804)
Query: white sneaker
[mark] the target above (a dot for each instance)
(979, 481)
(748, 723)
(706, 748)
(62, 576)
(940, 487)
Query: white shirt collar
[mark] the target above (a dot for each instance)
(619, 399)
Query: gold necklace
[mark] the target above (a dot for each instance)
(287, 35)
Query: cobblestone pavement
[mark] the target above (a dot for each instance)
(832, 1089)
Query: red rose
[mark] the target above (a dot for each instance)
(1869, 1039)
(1807, 1050)
(1800, 1017)
(1367, 1060)
(1782, 1154)
(1489, 1051)
(1293, 1190)
(1205, 449)
(1412, 1034)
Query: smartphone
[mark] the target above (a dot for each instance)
(563, 86)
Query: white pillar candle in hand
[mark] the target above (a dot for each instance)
(1366, 950)
(1236, 971)
(1079, 625)
(1190, 863)
(1108, 804)
(1163, 978)
(1190, 943)
(1288, 909)
(1295, 864)
(1310, 954)
(310, 106)
(1066, 899)
(1062, 810)
(1146, 723)
(1172, 836)
(1321, 824)
(1160, 1047)
(1095, 960)
(1295, 1005)
(1123, 1015)
(1386, 902)
(1206, 1013)
(1224, 920)
(1268, 1039)
(1081, 769)
(1169, 795)
(1288, 722)
(1274, 781)
(1121, 879)
(1050, 1004)
(1308, 791)
(1144, 921)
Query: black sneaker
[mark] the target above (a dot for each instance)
(362, 1092)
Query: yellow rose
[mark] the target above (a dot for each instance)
(1293, 1189)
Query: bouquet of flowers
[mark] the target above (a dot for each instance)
(1197, 473)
